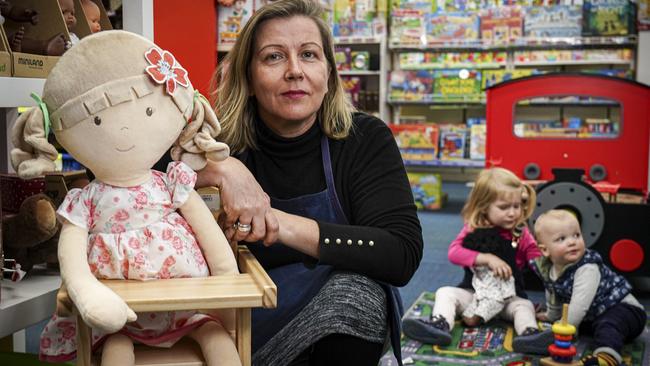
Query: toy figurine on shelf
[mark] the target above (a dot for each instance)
(562, 351)
(91, 10)
(67, 10)
(118, 119)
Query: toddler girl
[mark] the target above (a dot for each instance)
(117, 113)
(494, 215)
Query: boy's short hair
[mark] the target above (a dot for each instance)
(555, 214)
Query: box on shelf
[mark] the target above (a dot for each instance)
(5, 56)
(501, 25)
(454, 26)
(493, 77)
(418, 143)
(477, 135)
(231, 20)
(360, 60)
(452, 141)
(553, 21)
(427, 190)
(457, 85)
(57, 184)
(50, 31)
(607, 18)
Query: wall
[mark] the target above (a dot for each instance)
(189, 32)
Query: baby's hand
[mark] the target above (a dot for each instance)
(500, 268)
(101, 308)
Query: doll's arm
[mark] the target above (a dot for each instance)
(214, 244)
(100, 307)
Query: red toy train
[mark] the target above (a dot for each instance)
(599, 131)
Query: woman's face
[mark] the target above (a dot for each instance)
(289, 74)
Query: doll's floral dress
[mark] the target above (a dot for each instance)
(134, 233)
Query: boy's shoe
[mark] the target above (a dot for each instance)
(432, 331)
(534, 341)
(599, 359)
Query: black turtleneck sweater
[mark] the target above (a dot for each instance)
(371, 185)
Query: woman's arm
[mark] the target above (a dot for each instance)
(384, 237)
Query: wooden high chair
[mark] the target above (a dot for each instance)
(252, 287)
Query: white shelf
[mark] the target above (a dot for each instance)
(29, 301)
(14, 92)
(358, 72)
(358, 40)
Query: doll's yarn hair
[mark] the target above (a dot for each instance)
(103, 70)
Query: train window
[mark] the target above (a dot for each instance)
(567, 117)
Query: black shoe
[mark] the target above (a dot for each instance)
(534, 341)
(434, 331)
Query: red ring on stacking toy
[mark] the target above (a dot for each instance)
(562, 352)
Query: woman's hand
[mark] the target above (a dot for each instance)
(243, 201)
(500, 268)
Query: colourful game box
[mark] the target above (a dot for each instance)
(411, 85)
(607, 17)
(493, 77)
(427, 190)
(450, 27)
(553, 21)
(502, 24)
(418, 143)
(452, 141)
(452, 85)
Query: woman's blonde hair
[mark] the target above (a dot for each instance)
(488, 187)
(231, 91)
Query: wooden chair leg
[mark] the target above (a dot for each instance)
(84, 346)
(244, 335)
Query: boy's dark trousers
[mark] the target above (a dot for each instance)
(619, 324)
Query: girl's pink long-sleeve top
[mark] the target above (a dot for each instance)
(464, 257)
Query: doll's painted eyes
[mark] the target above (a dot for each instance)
(97, 120)
(149, 111)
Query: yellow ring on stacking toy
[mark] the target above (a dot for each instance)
(563, 329)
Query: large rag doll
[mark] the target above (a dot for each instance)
(117, 103)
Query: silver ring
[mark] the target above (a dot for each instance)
(244, 228)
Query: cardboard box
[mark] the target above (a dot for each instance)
(50, 25)
(57, 184)
(5, 56)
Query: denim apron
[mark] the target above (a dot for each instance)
(298, 284)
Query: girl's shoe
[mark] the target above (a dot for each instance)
(534, 341)
(432, 331)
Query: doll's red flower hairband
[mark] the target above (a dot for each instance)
(164, 69)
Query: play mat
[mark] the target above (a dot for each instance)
(490, 344)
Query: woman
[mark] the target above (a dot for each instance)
(324, 189)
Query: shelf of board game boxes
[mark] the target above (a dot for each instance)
(518, 43)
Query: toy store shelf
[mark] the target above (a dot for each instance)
(444, 103)
(358, 72)
(459, 163)
(29, 301)
(521, 43)
(582, 62)
(357, 40)
(14, 92)
(224, 47)
(442, 66)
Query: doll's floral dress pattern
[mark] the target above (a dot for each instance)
(134, 233)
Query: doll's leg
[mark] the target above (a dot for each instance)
(217, 345)
(118, 351)
(16, 39)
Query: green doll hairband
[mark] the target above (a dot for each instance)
(46, 114)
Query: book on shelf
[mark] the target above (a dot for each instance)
(477, 137)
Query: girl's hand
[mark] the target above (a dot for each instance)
(541, 316)
(242, 199)
(500, 268)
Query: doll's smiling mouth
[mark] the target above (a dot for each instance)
(125, 150)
